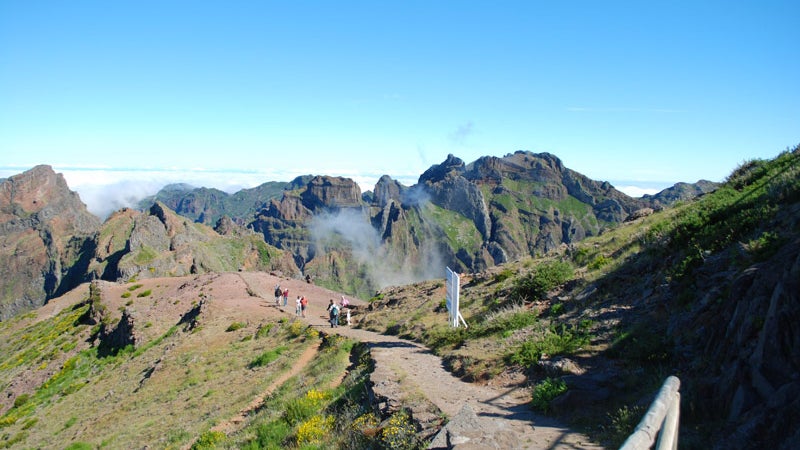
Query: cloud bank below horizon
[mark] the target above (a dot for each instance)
(105, 190)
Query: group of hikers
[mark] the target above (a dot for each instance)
(301, 304)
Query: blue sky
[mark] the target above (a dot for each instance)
(235, 93)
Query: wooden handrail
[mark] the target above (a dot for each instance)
(660, 422)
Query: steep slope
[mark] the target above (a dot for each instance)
(46, 236)
(707, 291)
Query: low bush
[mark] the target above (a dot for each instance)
(235, 326)
(557, 340)
(545, 391)
(544, 278)
(267, 357)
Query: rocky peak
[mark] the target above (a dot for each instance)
(436, 173)
(331, 192)
(45, 239)
(386, 190)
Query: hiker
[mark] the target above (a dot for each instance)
(285, 296)
(278, 294)
(346, 308)
(303, 306)
(297, 307)
(333, 312)
(308, 278)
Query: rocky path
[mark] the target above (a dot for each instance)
(409, 369)
(407, 372)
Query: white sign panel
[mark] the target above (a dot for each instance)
(453, 286)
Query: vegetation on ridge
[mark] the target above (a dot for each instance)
(614, 314)
(592, 328)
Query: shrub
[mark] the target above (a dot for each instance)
(126, 294)
(300, 409)
(556, 309)
(263, 331)
(267, 357)
(209, 440)
(599, 261)
(21, 400)
(505, 320)
(270, 436)
(623, 422)
(542, 280)
(296, 328)
(79, 446)
(545, 391)
(314, 430)
(561, 340)
(144, 293)
(134, 287)
(399, 432)
(235, 326)
(503, 275)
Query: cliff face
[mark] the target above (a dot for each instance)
(45, 239)
(505, 208)
(288, 223)
(468, 217)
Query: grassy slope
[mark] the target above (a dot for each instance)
(178, 382)
(606, 303)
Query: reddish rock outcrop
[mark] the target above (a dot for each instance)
(45, 239)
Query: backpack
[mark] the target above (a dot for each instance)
(335, 310)
(278, 292)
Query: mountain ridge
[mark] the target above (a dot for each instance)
(466, 216)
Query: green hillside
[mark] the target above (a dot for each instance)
(597, 326)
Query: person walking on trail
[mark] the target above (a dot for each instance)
(278, 294)
(303, 306)
(285, 296)
(333, 313)
(346, 308)
(297, 307)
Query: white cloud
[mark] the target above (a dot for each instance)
(105, 190)
(637, 191)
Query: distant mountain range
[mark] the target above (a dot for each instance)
(465, 216)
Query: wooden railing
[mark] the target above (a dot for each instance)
(660, 421)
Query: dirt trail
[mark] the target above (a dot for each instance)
(232, 424)
(420, 371)
(416, 369)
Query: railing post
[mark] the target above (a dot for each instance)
(660, 421)
(668, 436)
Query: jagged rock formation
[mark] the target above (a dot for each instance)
(46, 239)
(208, 205)
(468, 217)
(161, 243)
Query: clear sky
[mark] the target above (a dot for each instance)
(235, 93)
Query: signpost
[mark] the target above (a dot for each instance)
(453, 284)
